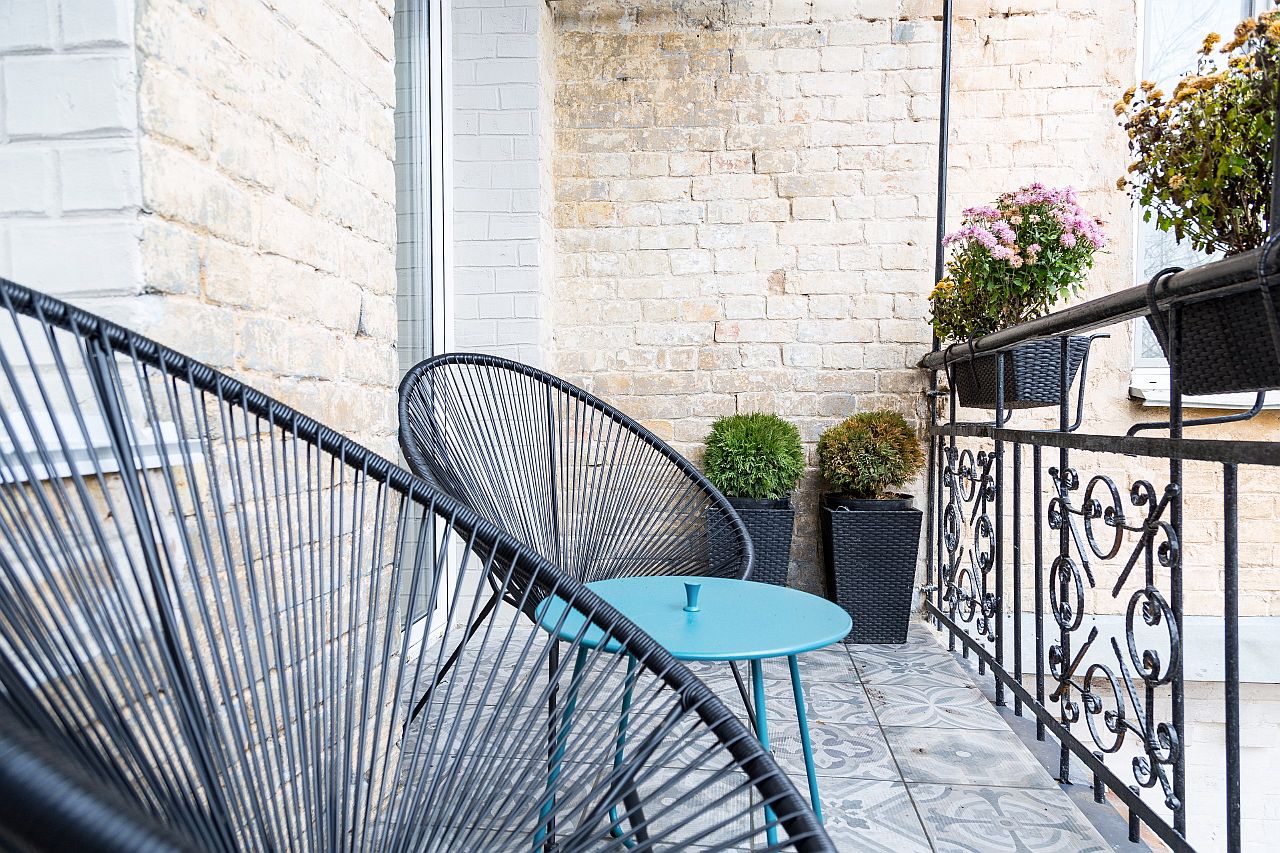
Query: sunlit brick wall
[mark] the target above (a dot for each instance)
(268, 244)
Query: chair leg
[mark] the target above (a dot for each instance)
(453, 658)
(746, 697)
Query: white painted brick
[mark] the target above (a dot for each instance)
(76, 257)
(68, 94)
(25, 25)
(99, 178)
(92, 22)
(26, 180)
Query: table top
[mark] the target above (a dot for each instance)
(735, 620)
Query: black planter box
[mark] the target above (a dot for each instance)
(770, 523)
(871, 549)
(1227, 345)
(1032, 374)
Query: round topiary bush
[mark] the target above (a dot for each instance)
(870, 454)
(754, 456)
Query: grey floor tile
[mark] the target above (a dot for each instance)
(911, 669)
(848, 751)
(872, 816)
(962, 819)
(941, 705)
(838, 702)
(965, 757)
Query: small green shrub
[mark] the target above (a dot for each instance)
(754, 456)
(870, 454)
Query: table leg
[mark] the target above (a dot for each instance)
(803, 719)
(631, 801)
(561, 737)
(762, 729)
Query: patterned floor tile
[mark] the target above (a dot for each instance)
(836, 702)
(963, 819)
(872, 817)
(911, 670)
(966, 757)
(852, 752)
(930, 706)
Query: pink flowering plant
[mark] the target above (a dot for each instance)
(1012, 261)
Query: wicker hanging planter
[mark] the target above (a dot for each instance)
(770, 524)
(871, 548)
(1032, 374)
(1228, 343)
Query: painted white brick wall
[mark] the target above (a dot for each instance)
(70, 189)
(501, 178)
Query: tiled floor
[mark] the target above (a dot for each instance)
(912, 757)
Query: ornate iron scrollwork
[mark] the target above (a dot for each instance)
(1096, 530)
(966, 573)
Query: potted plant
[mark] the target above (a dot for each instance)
(1011, 262)
(1203, 170)
(871, 532)
(756, 460)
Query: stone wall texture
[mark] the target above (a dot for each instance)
(745, 203)
(268, 237)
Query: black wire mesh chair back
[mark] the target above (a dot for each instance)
(585, 486)
(201, 647)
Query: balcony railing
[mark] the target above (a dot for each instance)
(1064, 555)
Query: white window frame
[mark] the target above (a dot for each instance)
(1148, 376)
(434, 234)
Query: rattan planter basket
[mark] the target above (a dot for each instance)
(1032, 374)
(1227, 342)
(871, 549)
(770, 523)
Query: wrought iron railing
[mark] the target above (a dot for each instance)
(1059, 554)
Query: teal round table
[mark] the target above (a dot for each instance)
(717, 619)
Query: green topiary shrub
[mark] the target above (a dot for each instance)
(870, 454)
(754, 456)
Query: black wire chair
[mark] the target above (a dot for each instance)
(588, 488)
(585, 486)
(206, 641)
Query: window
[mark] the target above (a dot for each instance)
(422, 199)
(1172, 31)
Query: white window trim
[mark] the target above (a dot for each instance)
(1149, 377)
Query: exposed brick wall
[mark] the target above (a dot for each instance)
(743, 215)
(745, 197)
(69, 180)
(269, 240)
(501, 177)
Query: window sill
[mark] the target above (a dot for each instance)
(1158, 398)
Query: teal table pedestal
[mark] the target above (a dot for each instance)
(716, 619)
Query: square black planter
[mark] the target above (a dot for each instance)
(871, 564)
(1032, 374)
(770, 524)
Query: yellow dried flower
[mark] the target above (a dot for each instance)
(1135, 166)
(1120, 108)
(1129, 93)
(1121, 183)
(1176, 181)
(1210, 41)
(1147, 85)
